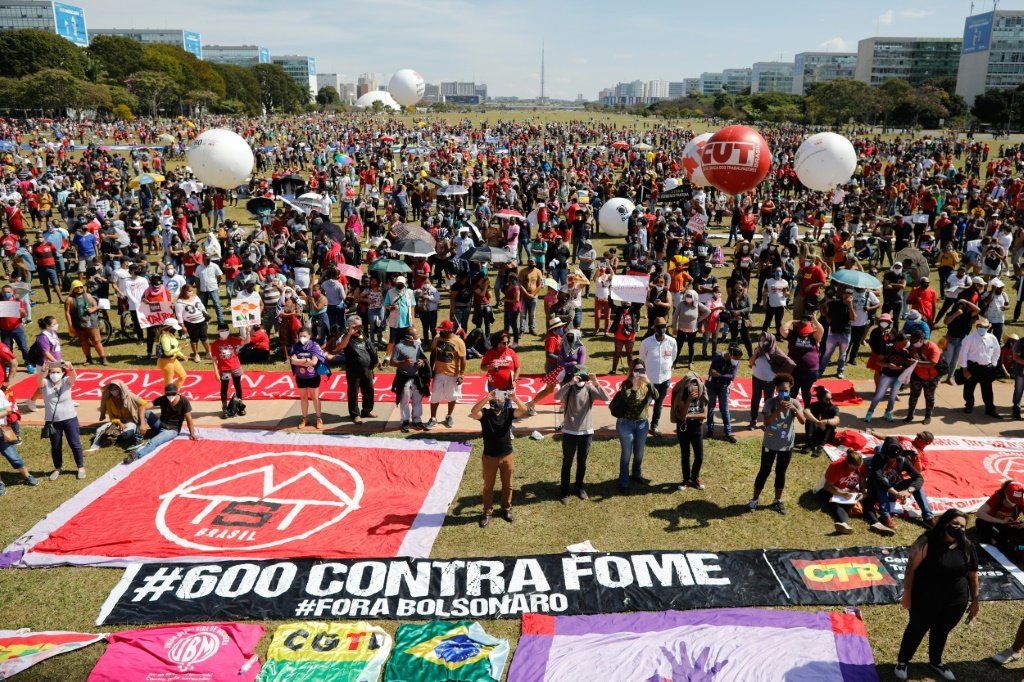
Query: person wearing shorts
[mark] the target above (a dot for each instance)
(448, 362)
(305, 357)
(225, 354)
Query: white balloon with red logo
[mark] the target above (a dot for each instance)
(691, 160)
(407, 87)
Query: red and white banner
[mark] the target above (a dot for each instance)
(257, 495)
(192, 653)
(960, 472)
(155, 314)
(204, 385)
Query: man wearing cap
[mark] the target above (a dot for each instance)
(531, 281)
(448, 366)
(360, 362)
(979, 357)
(994, 305)
(916, 323)
(893, 282)
(658, 352)
(81, 311)
(998, 521)
(175, 411)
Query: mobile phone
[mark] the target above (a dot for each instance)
(501, 395)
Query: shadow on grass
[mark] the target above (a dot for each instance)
(696, 514)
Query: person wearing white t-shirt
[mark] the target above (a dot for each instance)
(864, 303)
(776, 296)
(658, 352)
(209, 275)
(994, 305)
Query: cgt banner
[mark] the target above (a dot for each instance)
(511, 586)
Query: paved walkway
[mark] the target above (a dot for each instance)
(948, 419)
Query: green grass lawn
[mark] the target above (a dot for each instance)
(658, 518)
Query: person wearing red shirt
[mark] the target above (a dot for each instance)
(258, 348)
(923, 298)
(15, 219)
(45, 256)
(925, 377)
(809, 278)
(844, 477)
(191, 260)
(231, 266)
(501, 364)
(8, 247)
(225, 354)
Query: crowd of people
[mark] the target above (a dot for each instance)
(429, 247)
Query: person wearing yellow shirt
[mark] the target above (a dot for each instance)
(121, 410)
(169, 355)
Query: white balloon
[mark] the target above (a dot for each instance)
(670, 183)
(825, 160)
(613, 217)
(221, 158)
(691, 160)
(407, 87)
(367, 100)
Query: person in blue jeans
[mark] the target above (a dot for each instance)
(175, 412)
(632, 427)
(719, 384)
(839, 312)
(892, 476)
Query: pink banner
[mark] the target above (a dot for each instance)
(204, 385)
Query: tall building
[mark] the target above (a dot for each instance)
(238, 55)
(365, 83)
(711, 83)
(431, 94)
(324, 80)
(190, 41)
(655, 91)
(691, 85)
(821, 67)
(301, 67)
(677, 89)
(737, 81)
(914, 60)
(67, 21)
(772, 77)
(992, 57)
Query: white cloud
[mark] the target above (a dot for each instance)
(836, 44)
(916, 13)
(886, 18)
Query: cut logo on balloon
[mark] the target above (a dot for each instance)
(731, 154)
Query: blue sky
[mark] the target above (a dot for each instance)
(590, 44)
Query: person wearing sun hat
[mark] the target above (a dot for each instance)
(168, 352)
(82, 314)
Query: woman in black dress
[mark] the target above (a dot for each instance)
(941, 579)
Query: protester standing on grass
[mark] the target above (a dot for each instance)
(448, 364)
(577, 396)
(632, 427)
(496, 411)
(940, 584)
(360, 362)
(780, 413)
(658, 355)
(191, 314)
(689, 408)
(82, 314)
(46, 350)
(59, 412)
(979, 357)
(724, 367)
(8, 448)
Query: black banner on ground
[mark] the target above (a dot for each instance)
(510, 586)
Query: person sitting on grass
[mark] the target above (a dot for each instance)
(175, 412)
(892, 477)
(846, 477)
(822, 418)
(122, 414)
(998, 521)
(257, 350)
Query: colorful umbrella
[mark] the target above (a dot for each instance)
(508, 214)
(389, 265)
(145, 179)
(620, 145)
(351, 271)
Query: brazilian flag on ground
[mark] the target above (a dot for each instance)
(441, 650)
(326, 652)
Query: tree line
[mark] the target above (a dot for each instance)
(115, 75)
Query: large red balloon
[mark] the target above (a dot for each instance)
(736, 159)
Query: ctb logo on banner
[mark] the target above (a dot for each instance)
(845, 573)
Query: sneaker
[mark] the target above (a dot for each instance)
(887, 417)
(908, 419)
(654, 433)
(640, 479)
(867, 418)
(582, 494)
(697, 483)
(900, 671)
(752, 505)
(530, 409)
(405, 427)
(564, 499)
(507, 515)
(778, 506)
(449, 422)
(484, 520)
(54, 474)
(30, 406)
(753, 425)
(1006, 656)
(81, 474)
(843, 528)
(817, 451)
(730, 438)
(880, 527)
(840, 375)
(431, 423)
(31, 480)
(943, 671)
(927, 420)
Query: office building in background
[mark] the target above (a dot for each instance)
(67, 21)
(238, 55)
(992, 57)
(821, 67)
(913, 60)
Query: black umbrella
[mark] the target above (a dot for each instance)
(259, 205)
(413, 247)
(333, 230)
(488, 254)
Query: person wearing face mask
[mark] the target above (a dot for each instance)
(843, 477)
(737, 311)
(780, 413)
(658, 352)
(689, 408)
(121, 412)
(940, 584)
(577, 396)
(658, 299)
(821, 420)
(927, 373)
(810, 279)
(44, 351)
(12, 329)
(306, 359)
(410, 385)
(400, 307)
(686, 319)
(632, 424)
(289, 318)
(723, 370)
(979, 358)
(562, 354)
(891, 366)
(173, 280)
(224, 352)
(893, 476)
(82, 314)
(776, 297)
(191, 314)
(865, 303)
(839, 313)
(496, 412)
(156, 293)
(175, 412)
(59, 412)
